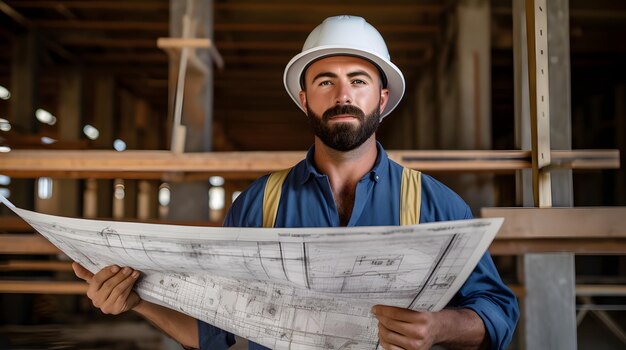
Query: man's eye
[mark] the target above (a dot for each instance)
(358, 81)
(325, 83)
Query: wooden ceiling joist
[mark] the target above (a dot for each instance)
(95, 5)
(333, 8)
(160, 27)
(293, 46)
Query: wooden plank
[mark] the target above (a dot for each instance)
(26, 244)
(538, 77)
(96, 5)
(579, 246)
(153, 164)
(156, 26)
(580, 222)
(336, 8)
(600, 290)
(14, 224)
(35, 265)
(42, 287)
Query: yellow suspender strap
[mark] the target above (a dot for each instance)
(271, 196)
(410, 197)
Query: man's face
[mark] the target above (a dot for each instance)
(343, 100)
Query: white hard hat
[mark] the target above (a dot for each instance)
(346, 36)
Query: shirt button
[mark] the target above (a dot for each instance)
(377, 177)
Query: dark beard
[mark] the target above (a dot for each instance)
(344, 137)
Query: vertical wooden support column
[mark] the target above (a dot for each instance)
(560, 97)
(104, 107)
(620, 136)
(65, 196)
(471, 126)
(425, 125)
(24, 102)
(189, 200)
(148, 138)
(538, 79)
(524, 189)
(128, 133)
(549, 318)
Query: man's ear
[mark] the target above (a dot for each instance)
(384, 98)
(302, 96)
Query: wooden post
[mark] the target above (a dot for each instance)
(426, 111)
(549, 318)
(24, 102)
(104, 107)
(189, 200)
(65, 196)
(524, 193)
(467, 123)
(128, 132)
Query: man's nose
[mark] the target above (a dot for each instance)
(344, 95)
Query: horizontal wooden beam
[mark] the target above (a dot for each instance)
(13, 224)
(143, 43)
(43, 287)
(103, 25)
(331, 8)
(32, 244)
(225, 27)
(597, 290)
(35, 265)
(95, 5)
(251, 7)
(581, 222)
(579, 246)
(148, 164)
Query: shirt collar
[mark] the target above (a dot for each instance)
(308, 169)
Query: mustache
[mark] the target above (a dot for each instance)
(343, 109)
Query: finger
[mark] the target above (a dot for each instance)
(398, 313)
(111, 285)
(82, 272)
(394, 338)
(388, 346)
(104, 274)
(400, 327)
(99, 290)
(123, 290)
(119, 300)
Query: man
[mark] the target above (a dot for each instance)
(346, 84)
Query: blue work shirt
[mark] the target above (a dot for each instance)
(307, 201)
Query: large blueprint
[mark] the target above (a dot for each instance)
(293, 288)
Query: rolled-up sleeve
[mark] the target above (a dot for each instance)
(486, 294)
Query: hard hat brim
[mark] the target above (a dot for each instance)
(297, 65)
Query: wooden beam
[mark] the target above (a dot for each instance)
(538, 77)
(43, 287)
(600, 290)
(578, 246)
(26, 244)
(13, 224)
(104, 25)
(579, 222)
(224, 27)
(96, 5)
(306, 27)
(331, 8)
(89, 163)
(35, 265)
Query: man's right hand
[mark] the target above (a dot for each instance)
(111, 289)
